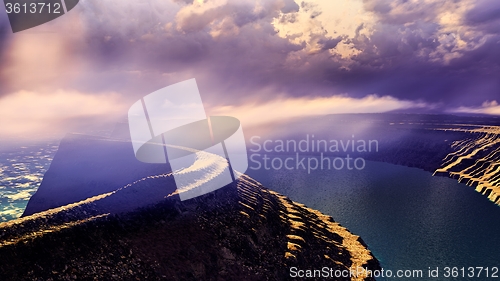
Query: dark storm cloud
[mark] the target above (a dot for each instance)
(402, 62)
(290, 7)
(235, 53)
(485, 16)
(403, 57)
(184, 1)
(242, 60)
(330, 43)
(403, 11)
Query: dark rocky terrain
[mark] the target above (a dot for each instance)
(240, 232)
(100, 214)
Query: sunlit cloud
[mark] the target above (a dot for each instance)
(488, 107)
(281, 109)
(42, 58)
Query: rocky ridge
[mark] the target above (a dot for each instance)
(243, 231)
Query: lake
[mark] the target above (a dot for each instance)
(408, 218)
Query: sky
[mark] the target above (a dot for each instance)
(256, 60)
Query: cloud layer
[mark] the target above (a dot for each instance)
(439, 51)
(444, 53)
(282, 109)
(488, 107)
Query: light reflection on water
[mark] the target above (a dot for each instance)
(21, 172)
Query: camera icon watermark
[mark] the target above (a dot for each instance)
(205, 153)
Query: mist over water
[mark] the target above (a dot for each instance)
(408, 218)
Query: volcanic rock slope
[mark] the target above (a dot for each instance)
(242, 231)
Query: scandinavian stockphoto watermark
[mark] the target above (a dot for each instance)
(474, 272)
(354, 272)
(310, 153)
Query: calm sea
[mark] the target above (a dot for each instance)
(408, 218)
